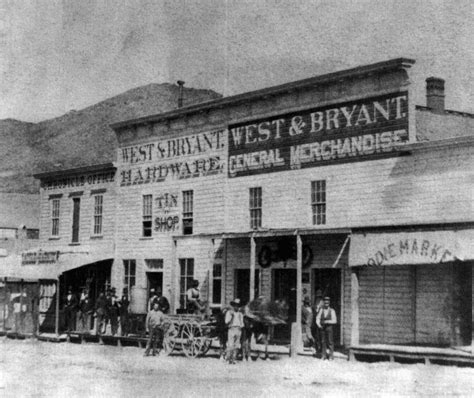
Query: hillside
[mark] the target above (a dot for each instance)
(81, 137)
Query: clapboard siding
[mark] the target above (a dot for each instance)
(420, 188)
(433, 303)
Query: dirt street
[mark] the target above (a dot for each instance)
(39, 369)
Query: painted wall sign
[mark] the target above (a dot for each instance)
(351, 131)
(166, 209)
(79, 181)
(177, 158)
(40, 257)
(430, 247)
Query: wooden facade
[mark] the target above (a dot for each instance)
(188, 168)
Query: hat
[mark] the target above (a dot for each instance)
(319, 293)
(235, 302)
(306, 300)
(195, 283)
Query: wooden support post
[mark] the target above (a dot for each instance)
(354, 307)
(253, 247)
(174, 302)
(296, 337)
(119, 343)
(56, 321)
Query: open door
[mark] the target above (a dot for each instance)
(284, 288)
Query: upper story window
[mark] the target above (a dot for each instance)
(255, 206)
(98, 209)
(55, 217)
(147, 215)
(187, 212)
(76, 210)
(318, 202)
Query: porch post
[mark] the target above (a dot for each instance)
(253, 247)
(175, 286)
(354, 306)
(56, 321)
(296, 337)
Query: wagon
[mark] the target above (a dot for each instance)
(190, 333)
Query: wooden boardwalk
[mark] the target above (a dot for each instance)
(398, 353)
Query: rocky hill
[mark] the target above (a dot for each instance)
(81, 137)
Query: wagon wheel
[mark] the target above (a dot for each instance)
(169, 335)
(194, 343)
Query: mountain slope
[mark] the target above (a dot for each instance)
(79, 138)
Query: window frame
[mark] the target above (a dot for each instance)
(98, 217)
(216, 278)
(147, 216)
(255, 207)
(129, 273)
(55, 216)
(188, 212)
(318, 202)
(185, 280)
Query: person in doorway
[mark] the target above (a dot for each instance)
(234, 320)
(86, 310)
(154, 322)
(193, 298)
(70, 309)
(306, 322)
(326, 319)
(101, 313)
(152, 299)
(124, 315)
(315, 330)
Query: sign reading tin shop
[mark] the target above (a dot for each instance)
(350, 131)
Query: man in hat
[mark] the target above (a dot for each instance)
(70, 308)
(325, 320)
(307, 321)
(154, 322)
(234, 320)
(124, 316)
(192, 297)
(316, 332)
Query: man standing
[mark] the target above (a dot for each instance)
(315, 330)
(86, 307)
(124, 318)
(234, 319)
(154, 321)
(325, 320)
(70, 307)
(101, 311)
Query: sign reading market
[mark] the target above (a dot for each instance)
(350, 131)
(177, 158)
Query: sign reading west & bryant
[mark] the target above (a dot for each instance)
(351, 131)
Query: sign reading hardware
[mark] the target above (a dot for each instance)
(351, 131)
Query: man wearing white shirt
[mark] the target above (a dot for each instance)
(325, 320)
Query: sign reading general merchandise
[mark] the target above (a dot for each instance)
(350, 131)
(175, 158)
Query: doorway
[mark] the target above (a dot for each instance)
(328, 280)
(284, 288)
(154, 281)
(242, 284)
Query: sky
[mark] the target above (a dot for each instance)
(61, 55)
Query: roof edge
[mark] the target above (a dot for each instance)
(77, 170)
(397, 63)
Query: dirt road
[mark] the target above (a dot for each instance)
(38, 369)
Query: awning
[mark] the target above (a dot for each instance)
(398, 248)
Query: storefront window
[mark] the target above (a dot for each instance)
(187, 212)
(217, 284)
(186, 279)
(255, 206)
(147, 215)
(130, 267)
(318, 202)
